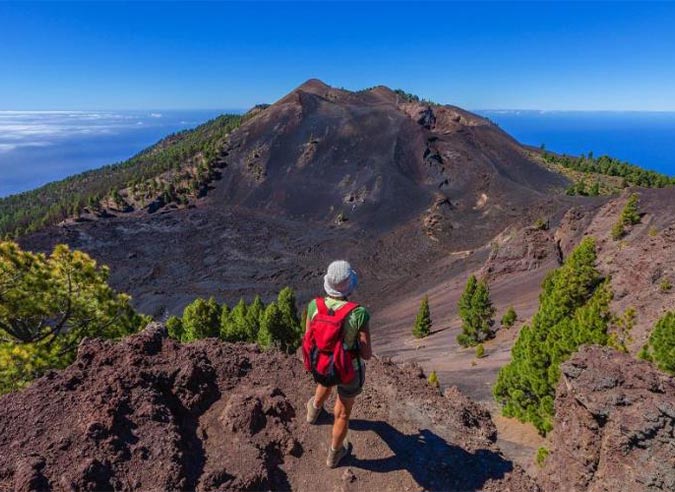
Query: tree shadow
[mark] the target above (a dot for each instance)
(432, 462)
(439, 330)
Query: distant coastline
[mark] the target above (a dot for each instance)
(644, 138)
(37, 147)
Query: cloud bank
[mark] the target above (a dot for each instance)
(20, 129)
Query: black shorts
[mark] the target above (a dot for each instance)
(354, 388)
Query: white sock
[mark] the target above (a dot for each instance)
(314, 405)
(332, 448)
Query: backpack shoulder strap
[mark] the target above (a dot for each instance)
(344, 310)
(321, 307)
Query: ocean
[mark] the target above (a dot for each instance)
(643, 138)
(37, 147)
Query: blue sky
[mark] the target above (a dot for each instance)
(544, 55)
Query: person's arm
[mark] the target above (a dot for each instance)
(365, 349)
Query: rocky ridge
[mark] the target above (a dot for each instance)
(614, 426)
(149, 413)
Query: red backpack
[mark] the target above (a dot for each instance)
(323, 348)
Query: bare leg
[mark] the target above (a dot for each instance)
(343, 409)
(321, 395)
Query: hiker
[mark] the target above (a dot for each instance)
(336, 342)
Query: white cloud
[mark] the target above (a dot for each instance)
(8, 147)
(16, 127)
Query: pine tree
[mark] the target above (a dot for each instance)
(581, 187)
(201, 319)
(253, 318)
(661, 346)
(484, 311)
(573, 310)
(272, 330)
(594, 190)
(174, 326)
(48, 304)
(236, 328)
(292, 330)
(629, 214)
(509, 317)
(618, 230)
(224, 320)
(477, 313)
(423, 323)
(464, 304)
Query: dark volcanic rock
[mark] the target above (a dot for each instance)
(614, 426)
(147, 413)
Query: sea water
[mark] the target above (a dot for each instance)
(643, 138)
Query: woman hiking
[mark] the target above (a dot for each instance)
(336, 342)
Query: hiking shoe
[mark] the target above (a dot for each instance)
(334, 457)
(312, 413)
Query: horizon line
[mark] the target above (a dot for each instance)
(243, 110)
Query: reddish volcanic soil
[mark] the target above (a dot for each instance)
(429, 194)
(150, 414)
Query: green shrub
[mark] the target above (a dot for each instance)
(541, 224)
(609, 166)
(660, 348)
(174, 325)
(509, 318)
(433, 379)
(630, 214)
(293, 329)
(618, 231)
(653, 231)
(423, 322)
(620, 338)
(477, 313)
(665, 285)
(480, 351)
(573, 310)
(276, 326)
(271, 327)
(253, 317)
(594, 190)
(542, 454)
(236, 327)
(201, 319)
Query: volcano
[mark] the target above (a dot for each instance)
(377, 176)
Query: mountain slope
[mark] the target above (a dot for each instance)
(178, 161)
(390, 182)
(379, 161)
